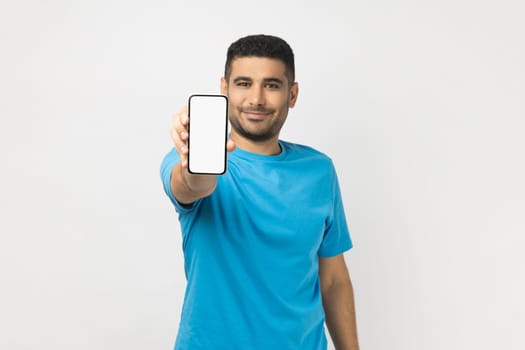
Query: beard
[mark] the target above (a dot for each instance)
(260, 134)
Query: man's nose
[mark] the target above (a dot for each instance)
(257, 96)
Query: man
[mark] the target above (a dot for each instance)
(263, 244)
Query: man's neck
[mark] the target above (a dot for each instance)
(269, 147)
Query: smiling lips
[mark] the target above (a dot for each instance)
(256, 114)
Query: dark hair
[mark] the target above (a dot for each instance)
(261, 46)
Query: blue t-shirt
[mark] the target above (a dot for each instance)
(251, 251)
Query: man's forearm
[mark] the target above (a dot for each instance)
(338, 301)
(187, 188)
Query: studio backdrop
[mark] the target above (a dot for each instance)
(420, 104)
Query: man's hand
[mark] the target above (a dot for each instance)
(187, 187)
(179, 135)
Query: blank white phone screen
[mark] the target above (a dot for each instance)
(208, 118)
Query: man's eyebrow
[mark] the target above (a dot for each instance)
(273, 80)
(241, 78)
(266, 80)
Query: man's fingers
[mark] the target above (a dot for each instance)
(180, 122)
(183, 117)
(230, 145)
(180, 145)
(179, 135)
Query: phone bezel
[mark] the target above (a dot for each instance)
(225, 165)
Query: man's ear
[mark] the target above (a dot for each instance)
(294, 92)
(224, 86)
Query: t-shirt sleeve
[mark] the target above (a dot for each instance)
(336, 238)
(166, 168)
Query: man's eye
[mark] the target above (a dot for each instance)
(272, 86)
(243, 84)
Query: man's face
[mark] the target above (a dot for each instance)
(259, 95)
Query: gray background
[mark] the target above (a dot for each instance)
(419, 103)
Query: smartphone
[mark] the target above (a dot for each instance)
(208, 133)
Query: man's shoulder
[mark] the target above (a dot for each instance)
(304, 151)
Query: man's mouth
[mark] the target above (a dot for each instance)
(256, 114)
